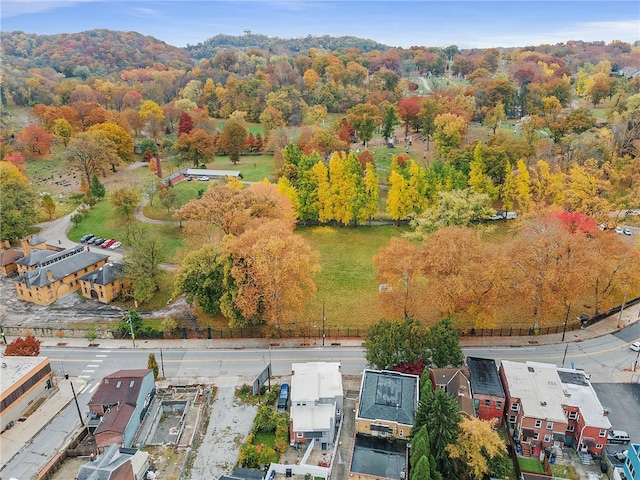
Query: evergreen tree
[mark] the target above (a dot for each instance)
(96, 189)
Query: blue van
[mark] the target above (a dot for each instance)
(283, 398)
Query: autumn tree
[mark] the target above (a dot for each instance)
(364, 118)
(28, 346)
(62, 130)
(398, 273)
(48, 205)
(234, 137)
(185, 123)
(152, 364)
(197, 147)
(407, 188)
(34, 142)
(477, 443)
(409, 110)
(124, 200)
(17, 208)
(388, 343)
(495, 116)
(120, 138)
(152, 116)
(448, 131)
(90, 153)
(273, 269)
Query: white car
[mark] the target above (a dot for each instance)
(635, 346)
(627, 231)
(619, 230)
(203, 179)
(115, 245)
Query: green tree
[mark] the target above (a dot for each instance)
(421, 470)
(444, 344)
(96, 189)
(495, 116)
(479, 181)
(201, 278)
(142, 262)
(152, 364)
(48, 205)
(168, 198)
(17, 205)
(439, 411)
(389, 120)
(234, 137)
(392, 342)
(365, 118)
(91, 335)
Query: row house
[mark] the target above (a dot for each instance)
(548, 407)
(486, 387)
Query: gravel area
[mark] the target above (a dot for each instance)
(229, 425)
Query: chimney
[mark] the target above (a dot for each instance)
(50, 275)
(24, 243)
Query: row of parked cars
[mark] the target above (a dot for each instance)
(91, 239)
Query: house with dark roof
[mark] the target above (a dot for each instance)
(8, 258)
(103, 284)
(387, 404)
(119, 405)
(45, 275)
(116, 463)
(486, 389)
(455, 381)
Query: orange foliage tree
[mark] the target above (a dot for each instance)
(23, 347)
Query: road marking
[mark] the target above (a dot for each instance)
(93, 366)
(98, 360)
(103, 356)
(84, 376)
(84, 388)
(105, 351)
(88, 371)
(94, 387)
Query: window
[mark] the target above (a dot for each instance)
(515, 407)
(538, 423)
(512, 419)
(401, 433)
(487, 403)
(602, 433)
(499, 405)
(573, 415)
(536, 436)
(599, 446)
(570, 428)
(299, 435)
(547, 438)
(549, 425)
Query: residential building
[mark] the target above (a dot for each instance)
(387, 404)
(535, 403)
(45, 276)
(455, 381)
(116, 463)
(588, 421)
(316, 402)
(486, 389)
(548, 406)
(631, 466)
(23, 381)
(8, 258)
(119, 405)
(103, 284)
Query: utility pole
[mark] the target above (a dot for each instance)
(162, 363)
(324, 318)
(78, 408)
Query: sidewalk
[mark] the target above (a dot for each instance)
(609, 325)
(14, 439)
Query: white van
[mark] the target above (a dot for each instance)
(618, 436)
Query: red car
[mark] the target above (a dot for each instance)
(108, 243)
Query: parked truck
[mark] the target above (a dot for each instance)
(283, 398)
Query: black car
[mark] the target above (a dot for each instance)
(86, 238)
(96, 240)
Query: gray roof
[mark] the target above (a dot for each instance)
(390, 396)
(60, 264)
(35, 240)
(104, 275)
(484, 377)
(103, 466)
(35, 257)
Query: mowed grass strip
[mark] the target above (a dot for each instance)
(347, 282)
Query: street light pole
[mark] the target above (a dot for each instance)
(133, 336)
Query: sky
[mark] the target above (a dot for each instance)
(467, 24)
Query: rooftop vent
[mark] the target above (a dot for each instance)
(530, 369)
(544, 404)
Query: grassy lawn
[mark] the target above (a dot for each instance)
(530, 465)
(346, 284)
(564, 471)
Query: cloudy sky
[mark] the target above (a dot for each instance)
(468, 24)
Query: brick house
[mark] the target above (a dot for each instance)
(486, 389)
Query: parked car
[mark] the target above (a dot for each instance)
(115, 245)
(108, 243)
(203, 179)
(627, 231)
(621, 456)
(96, 240)
(619, 230)
(635, 346)
(86, 238)
(618, 436)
